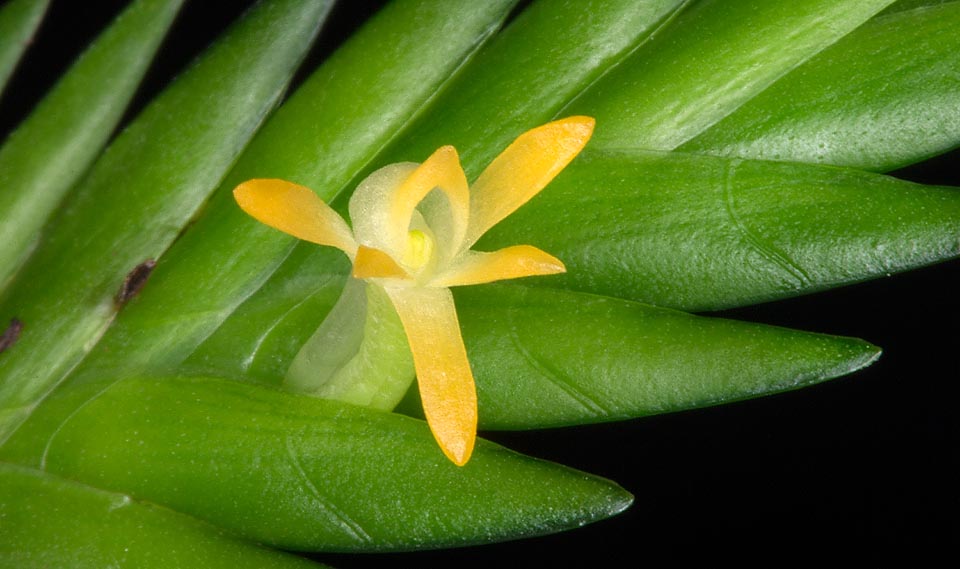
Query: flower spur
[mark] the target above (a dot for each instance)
(413, 226)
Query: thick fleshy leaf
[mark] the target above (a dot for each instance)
(904, 5)
(19, 20)
(306, 142)
(547, 56)
(285, 469)
(444, 379)
(546, 357)
(50, 151)
(323, 136)
(704, 233)
(141, 193)
(550, 358)
(48, 521)
(885, 96)
(707, 62)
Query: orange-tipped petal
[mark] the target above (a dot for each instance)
(295, 210)
(522, 170)
(375, 264)
(508, 263)
(443, 373)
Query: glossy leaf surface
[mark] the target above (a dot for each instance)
(19, 20)
(139, 195)
(48, 521)
(305, 473)
(711, 59)
(704, 233)
(885, 96)
(71, 125)
(548, 55)
(323, 135)
(546, 358)
(551, 358)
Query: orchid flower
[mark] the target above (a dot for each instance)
(413, 226)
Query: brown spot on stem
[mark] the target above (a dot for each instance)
(134, 281)
(11, 334)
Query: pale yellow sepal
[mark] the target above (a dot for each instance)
(443, 373)
(508, 263)
(295, 210)
(522, 170)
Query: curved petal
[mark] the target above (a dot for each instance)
(295, 210)
(443, 373)
(375, 264)
(441, 170)
(508, 263)
(522, 170)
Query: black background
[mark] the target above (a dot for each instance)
(861, 468)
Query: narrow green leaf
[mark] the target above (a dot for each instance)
(710, 60)
(139, 195)
(527, 73)
(495, 84)
(885, 96)
(551, 358)
(327, 132)
(49, 152)
(19, 20)
(704, 233)
(904, 5)
(545, 358)
(304, 473)
(48, 521)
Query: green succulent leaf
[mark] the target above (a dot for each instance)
(885, 96)
(327, 132)
(500, 94)
(295, 143)
(547, 358)
(552, 358)
(19, 20)
(139, 196)
(707, 62)
(705, 233)
(903, 5)
(48, 521)
(71, 125)
(305, 473)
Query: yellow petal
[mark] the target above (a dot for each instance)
(295, 210)
(508, 263)
(375, 264)
(441, 170)
(522, 170)
(443, 373)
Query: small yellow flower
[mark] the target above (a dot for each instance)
(413, 226)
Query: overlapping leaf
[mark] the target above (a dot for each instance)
(19, 20)
(305, 473)
(680, 230)
(138, 196)
(48, 521)
(705, 233)
(883, 97)
(71, 125)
